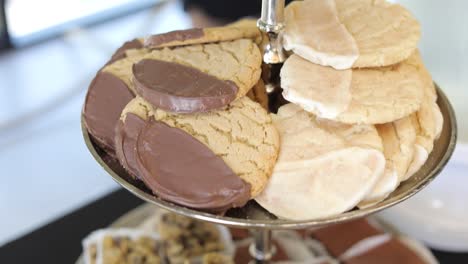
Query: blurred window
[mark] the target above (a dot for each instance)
(31, 20)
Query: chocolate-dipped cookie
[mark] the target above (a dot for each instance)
(108, 94)
(210, 161)
(195, 36)
(198, 78)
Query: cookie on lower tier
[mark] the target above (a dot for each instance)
(125, 246)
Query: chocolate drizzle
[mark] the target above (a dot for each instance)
(179, 168)
(106, 98)
(177, 35)
(177, 88)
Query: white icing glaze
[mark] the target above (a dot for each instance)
(316, 88)
(314, 31)
(419, 158)
(323, 186)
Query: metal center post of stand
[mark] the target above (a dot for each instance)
(271, 22)
(262, 249)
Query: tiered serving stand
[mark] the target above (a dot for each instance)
(255, 218)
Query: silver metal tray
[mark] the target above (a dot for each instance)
(254, 216)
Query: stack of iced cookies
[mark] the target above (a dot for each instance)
(363, 115)
(175, 109)
(186, 112)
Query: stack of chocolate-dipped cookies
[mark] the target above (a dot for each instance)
(362, 116)
(175, 109)
(186, 112)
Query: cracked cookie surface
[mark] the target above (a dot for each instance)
(242, 134)
(351, 33)
(383, 95)
(385, 33)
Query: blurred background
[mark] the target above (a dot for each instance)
(51, 49)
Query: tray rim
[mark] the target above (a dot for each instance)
(447, 111)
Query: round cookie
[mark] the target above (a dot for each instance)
(198, 78)
(357, 96)
(241, 135)
(408, 142)
(107, 96)
(398, 140)
(314, 32)
(101, 111)
(350, 34)
(324, 168)
(385, 33)
(201, 36)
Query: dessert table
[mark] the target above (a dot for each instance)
(60, 240)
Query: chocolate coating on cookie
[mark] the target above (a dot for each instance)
(126, 135)
(178, 88)
(120, 53)
(177, 35)
(179, 168)
(106, 98)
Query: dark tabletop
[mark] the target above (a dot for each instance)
(60, 240)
